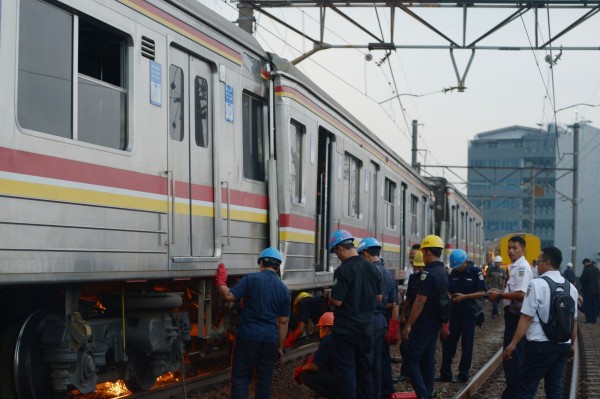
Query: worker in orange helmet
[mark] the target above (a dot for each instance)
(317, 371)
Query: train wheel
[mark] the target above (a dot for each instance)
(141, 377)
(31, 374)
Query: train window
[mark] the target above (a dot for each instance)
(201, 111)
(297, 132)
(45, 69)
(389, 201)
(414, 209)
(423, 228)
(352, 167)
(252, 111)
(52, 44)
(176, 103)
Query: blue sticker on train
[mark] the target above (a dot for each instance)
(155, 83)
(229, 103)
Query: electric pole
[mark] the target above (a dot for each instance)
(575, 196)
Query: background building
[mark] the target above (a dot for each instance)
(513, 181)
(522, 180)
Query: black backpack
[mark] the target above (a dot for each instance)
(560, 324)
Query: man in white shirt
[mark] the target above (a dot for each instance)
(519, 277)
(543, 358)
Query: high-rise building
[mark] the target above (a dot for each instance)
(522, 180)
(512, 181)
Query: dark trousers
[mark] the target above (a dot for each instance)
(420, 361)
(512, 367)
(383, 386)
(352, 360)
(543, 360)
(590, 307)
(322, 382)
(252, 358)
(495, 306)
(403, 353)
(462, 324)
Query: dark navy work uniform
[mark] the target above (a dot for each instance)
(420, 361)
(382, 362)
(462, 322)
(265, 299)
(310, 308)
(323, 381)
(356, 283)
(411, 293)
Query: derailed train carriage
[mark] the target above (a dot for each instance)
(142, 143)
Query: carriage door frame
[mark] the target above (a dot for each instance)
(373, 185)
(325, 151)
(191, 160)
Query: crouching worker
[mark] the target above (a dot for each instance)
(317, 372)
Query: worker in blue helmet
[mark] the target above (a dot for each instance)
(466, 284)
(356, 289)
(386, 333)
(263, 325)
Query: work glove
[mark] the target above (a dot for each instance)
(289, 342)
(297, 375)
(221, 277)
(445, 331)
(392, 336)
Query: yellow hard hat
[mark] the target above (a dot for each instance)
(432, 241)
(418, 260)
(301, 295)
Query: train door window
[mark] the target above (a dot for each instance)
(352, 166)
(176, 103)
(374, 180)
(414, 209)
(201, 111)
(390, 201)
(53, 43)
(297, 133)
(423, 216)
(252, 112)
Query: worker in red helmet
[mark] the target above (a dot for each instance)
(317, 371)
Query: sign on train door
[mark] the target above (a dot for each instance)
(190, 128)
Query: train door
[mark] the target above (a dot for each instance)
(323, 215)
(372, 208)
(190, 158)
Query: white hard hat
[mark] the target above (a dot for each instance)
(569, 264)
(498, 258)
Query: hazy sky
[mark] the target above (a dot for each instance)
(504, 88)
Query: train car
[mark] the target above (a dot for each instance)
(499, 246)
(143, 142)
(457, 221)
(338, 175)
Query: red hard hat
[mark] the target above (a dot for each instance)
(326, 319)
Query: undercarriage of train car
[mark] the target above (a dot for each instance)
(59, 339)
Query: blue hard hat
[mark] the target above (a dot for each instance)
(270, 255)
(368, 242)
(457, 258)
(339, 237)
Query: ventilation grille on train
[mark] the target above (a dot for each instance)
(148, 48)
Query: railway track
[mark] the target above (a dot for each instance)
(203, 382)
(581, 378)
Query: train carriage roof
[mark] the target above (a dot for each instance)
(286, 67)
(209, 17)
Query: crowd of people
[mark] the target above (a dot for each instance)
(364, 313)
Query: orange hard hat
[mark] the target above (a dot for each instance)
(326, 319)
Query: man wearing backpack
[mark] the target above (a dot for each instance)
(549, 321)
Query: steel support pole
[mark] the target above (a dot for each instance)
(575, 197)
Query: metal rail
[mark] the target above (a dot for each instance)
(201, 382)
(481, 377)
